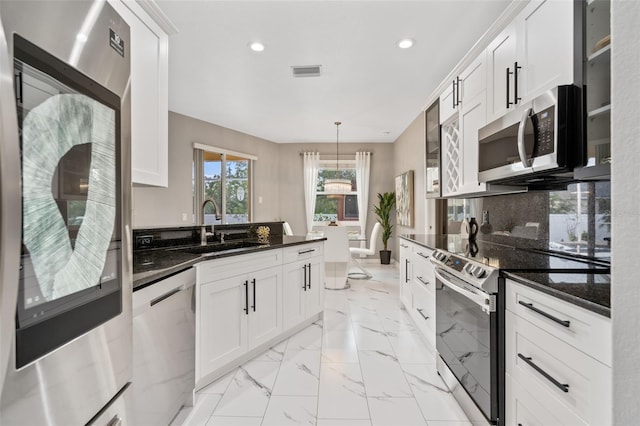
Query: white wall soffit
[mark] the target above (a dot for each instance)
(217, 150)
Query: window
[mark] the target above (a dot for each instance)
(336, 207)
(224, 177)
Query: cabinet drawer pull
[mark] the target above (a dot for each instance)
(565, 323)
(254, 294)
(304, 285)
(403, 246)
(422, 281)
(563, 387)
(306, 251)
(246, 297)
(309, 277)
(406, 270)
(423, 255)
(165, 296)
(422, 314)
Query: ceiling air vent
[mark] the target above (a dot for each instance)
(306, 71)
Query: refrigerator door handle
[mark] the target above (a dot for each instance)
(10, 205)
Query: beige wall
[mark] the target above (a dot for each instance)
(409, 154)
(154, 206)
(291, 178)
(277, 177)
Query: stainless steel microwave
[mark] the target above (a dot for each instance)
(536, 145)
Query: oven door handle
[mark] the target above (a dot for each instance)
(485, 301)
(522, 151)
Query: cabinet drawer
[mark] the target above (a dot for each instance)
(302, 252)
(422, 268)
(217, 269)
(423, 311)
(546, 365)
(523, 409)
(582, 329)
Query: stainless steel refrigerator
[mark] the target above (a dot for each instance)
(65, 252)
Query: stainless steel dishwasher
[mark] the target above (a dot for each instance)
(163, 349)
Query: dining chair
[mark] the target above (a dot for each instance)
(287, 228)
(371, 250)
(336, 257)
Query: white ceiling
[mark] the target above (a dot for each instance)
(367, 82)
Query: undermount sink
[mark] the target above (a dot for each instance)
(220, 247)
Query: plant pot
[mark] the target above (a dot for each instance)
(385, 257)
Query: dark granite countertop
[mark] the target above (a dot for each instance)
(589, 291)
(150, 266)
(575, 279)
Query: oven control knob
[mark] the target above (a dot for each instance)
(478, 272)
(468, 268)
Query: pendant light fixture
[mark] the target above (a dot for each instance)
(337, 185)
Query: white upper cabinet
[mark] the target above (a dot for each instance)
(538, 50)
(149, 93)
(546, 39)
(472, 116)
(460, 133)
(463, 87)
(448, 106)
(501, 56)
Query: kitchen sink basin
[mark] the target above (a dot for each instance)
(220, 247)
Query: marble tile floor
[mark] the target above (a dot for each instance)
(363, 364)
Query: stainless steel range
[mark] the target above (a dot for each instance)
(467, 333)
(470, 313)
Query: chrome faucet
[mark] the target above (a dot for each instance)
(203, 228)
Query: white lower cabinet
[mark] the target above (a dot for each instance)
(265, 306)
(550, 361)
(418, 288)
(303, 284)
(245, 303)
(221, 324)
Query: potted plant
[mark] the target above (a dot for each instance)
(386, 202)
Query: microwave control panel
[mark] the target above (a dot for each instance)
(544, 135)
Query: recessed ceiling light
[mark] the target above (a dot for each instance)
(256, 46)
(405, 43)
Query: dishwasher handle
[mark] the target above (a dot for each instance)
(166, 295)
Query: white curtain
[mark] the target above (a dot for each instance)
(363, 164)
(311, 166)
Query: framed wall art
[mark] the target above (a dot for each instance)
(404, 199)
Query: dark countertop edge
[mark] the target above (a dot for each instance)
(590, 306)
(411, 238)
(148, 278)
(422, 240)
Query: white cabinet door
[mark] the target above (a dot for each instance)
(294, 293)
(472, 117)
(314, 296)
(265, 309)
(448, 104)
(221, 326)
(149, 96)
(501, 55)
(473, 80)
(545, 46)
